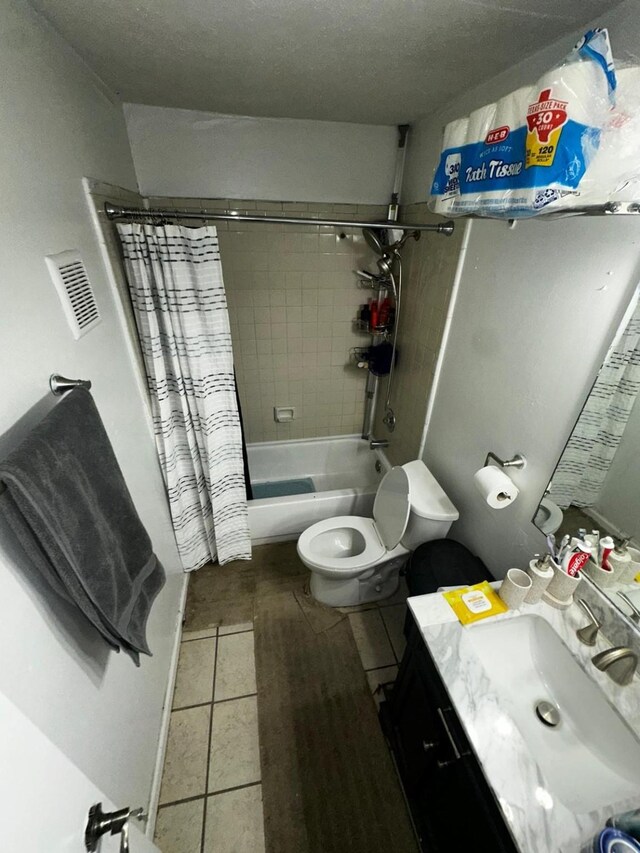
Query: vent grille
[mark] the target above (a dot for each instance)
(74, 289)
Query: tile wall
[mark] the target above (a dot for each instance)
(292, 297)
(429, 267)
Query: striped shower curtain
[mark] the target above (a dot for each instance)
(586, 459)
(177, 292)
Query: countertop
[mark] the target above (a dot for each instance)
(538, 822)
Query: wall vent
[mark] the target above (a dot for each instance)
(75, 291)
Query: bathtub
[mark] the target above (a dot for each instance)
(344, 475)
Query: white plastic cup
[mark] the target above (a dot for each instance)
(514, 588)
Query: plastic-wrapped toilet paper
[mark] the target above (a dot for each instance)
(531, 150)
(497, 489)
(455, 136)
(614, 172)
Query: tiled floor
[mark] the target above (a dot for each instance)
(210, 800)
(211, 794)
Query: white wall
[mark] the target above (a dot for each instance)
(58, 125)
(536, 309)
(208, 155)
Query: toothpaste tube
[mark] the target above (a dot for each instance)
(576, 558)
(605, 547)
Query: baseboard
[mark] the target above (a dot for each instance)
(166, 715)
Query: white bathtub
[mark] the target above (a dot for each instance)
(343, 470)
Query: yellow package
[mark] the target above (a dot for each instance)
(471, 603)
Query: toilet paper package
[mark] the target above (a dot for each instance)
(455, 137)
(531, 150)
(614, 172)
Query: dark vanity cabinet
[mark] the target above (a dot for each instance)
(450, 801)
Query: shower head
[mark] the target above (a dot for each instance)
(376, 240)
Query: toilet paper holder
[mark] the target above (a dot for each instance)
(518, 461)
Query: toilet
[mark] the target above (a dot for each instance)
(354, 560)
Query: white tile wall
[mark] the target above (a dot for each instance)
(292, 297)
(429, 267)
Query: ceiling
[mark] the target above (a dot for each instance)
(371, 61)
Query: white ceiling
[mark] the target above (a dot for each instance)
(372, 61)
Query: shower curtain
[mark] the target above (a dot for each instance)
(178, 298)
(589, 453)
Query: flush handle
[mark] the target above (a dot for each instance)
(116, 823)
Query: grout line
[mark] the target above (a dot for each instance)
(393, 651)
(386, 666)
(235, 788)
(233, 698)
(185, 800)
(233, 633)
(206, 778)
(186, 707)
(197, 639)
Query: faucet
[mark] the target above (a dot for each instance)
(589, 633)
(619, 663)
(378, 442)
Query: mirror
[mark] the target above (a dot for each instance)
(596, 483)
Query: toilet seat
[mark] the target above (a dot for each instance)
(348, 545)
(372, 552)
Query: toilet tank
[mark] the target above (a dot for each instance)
(432, 513)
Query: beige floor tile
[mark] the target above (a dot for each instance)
(179, 827)
(394, 620)
(185, 765)
(235, 822)
(371, 639)
(235, 755)
(194, 679)
(385, 674)
(236, 667)
(235, 629)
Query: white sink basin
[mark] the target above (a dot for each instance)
(590, 759)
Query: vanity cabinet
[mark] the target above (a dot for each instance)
(450, 801)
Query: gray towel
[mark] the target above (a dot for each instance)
(70, 507)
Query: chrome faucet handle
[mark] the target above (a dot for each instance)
(635, 612)
(589, 633)
(619, 663)
(115, 823)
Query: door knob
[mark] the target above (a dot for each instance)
(117, 822)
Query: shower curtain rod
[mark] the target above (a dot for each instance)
(114, 211)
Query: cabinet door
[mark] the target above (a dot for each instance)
(417, 737)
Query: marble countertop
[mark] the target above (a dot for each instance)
(538, 822)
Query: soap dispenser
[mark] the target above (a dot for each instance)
(541, 573)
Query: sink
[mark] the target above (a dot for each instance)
(588, 756)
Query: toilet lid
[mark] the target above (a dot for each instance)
(391, 507)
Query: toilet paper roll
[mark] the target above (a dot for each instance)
(481, 121)
(511, 111)
(455, 136)
(496, 488)
(583, 87)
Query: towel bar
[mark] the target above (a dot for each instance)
(60, 384)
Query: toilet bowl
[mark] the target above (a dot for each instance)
(354, 560)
